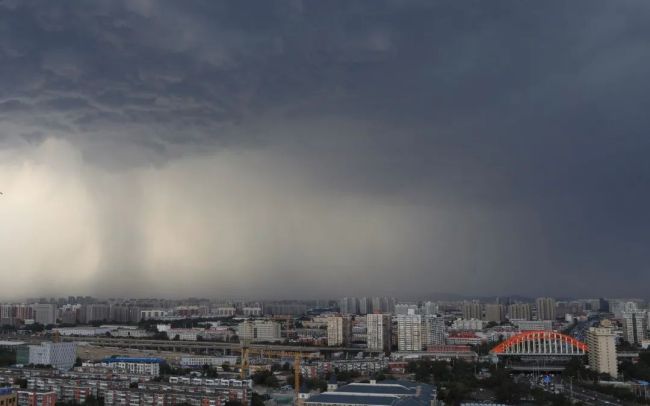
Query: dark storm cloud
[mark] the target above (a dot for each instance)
(510, 136)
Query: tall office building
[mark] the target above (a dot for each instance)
(602, 351)
(59, 355)
(472, 310)
(545, 308)
(519, 311)
(409, 332)
(339, 331)
(44, 313)
(635, 324)
(495, 313)
(378, 327)
(434, 330)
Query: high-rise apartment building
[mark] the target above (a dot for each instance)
(434, 330)
(495, 313)
(44, 313)
(98, 312)
(519, 311)
(472, 310)
(383, 304)
(339, 331)
(635, 324)
(409, 332)
(545, 308)
(602, 351)
(349, 305)
(365, 306)
(429, 308)
(406, 308)
(378, 327)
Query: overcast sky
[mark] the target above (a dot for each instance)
(324, 148)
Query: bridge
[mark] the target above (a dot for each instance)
(212, 347)
(540, 343)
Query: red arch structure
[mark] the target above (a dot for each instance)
(540, 343)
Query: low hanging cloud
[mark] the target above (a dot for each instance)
(308, 148)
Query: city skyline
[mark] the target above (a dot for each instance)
(319, 149)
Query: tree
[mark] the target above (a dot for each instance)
(265, 378)
(257, 400)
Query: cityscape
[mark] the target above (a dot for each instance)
(324, 202)
(320, 352)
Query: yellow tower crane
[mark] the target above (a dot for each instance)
(244, 366)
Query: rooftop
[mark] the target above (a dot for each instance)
(335, 398)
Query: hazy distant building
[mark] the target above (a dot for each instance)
(545, 308)
(468, 324)
(15, 313)
(533, 325)
(365, 306)
(602, 351)
(635, 324)
(124, 313)
(225, 310)
(406, 308)
(494, 313)
(285, 309)
(409, 332)
(44, 313)
(259, 331)
(603, 305)
(339, 331)
(98, 312)
(153, 314)
(252, 311)
(349, 305)
(429, 308)
(472, 310)
(378, 330)
(434, 330)
(383, 304)
(520, 311)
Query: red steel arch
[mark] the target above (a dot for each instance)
(540, 343)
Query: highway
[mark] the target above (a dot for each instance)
(200, 347)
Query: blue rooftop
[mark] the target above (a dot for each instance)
(379, 388)
(6, 391)
(337, 398)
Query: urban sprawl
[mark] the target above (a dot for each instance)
(354, 351)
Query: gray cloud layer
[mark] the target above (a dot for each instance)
(315, 148)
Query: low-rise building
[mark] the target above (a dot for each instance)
(135, 366)
(385, 393)
(8, 397)
(36, 398)
(198, 361)
(260, 331)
